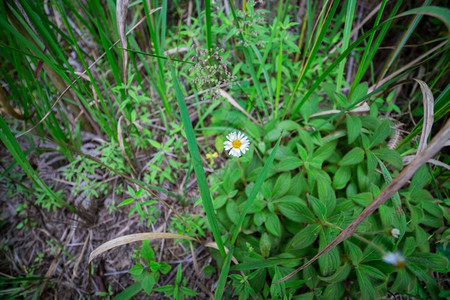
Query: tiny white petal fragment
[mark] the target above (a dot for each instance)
(237, 144)
(395, 232)
(396, 259)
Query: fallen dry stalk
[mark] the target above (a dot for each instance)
(438, 142)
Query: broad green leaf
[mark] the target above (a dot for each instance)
(288, 125)
(273, 224)
(355, 252)
(365, 286)
(282, 185)
(359, 92)
(429, 281)
(373, 272)
(148, 282)
(390, 156)
(330, 261)
(259, 218)
(380, 134)
(232, 211)
(289, 163)
(265, 245)
(341, 177)
(136, 270)
(295, 209)
(409, 246)
(318, 207)
(434, 261)
(363, 199)
(355, 156)
(371, 162)
(354, 126)
(325, 151)
(219, 201)
(146, 251)
(305, 237)
(340, 275)
(326, 195)
(334, 291)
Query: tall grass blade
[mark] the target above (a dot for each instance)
(197, 162)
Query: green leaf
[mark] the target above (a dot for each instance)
(334, 291)
(265, 245)
(354, 126)
(355, 156)
(146, 251)
(409, 246)
(305, 237)
(390, 156)
(362, 199)
(341, 177)
(218, 143)
(232, 211)
(125, 202)
(129, 292)
(164, 267)
(148, 282)
(288, 125)
(318, 207)
(340, 275)
(273, 224)
(365, 286)
(282, 185)
(259, 218)
(289, 163)
(325, 151)
(219, 201)
(372, 272)
(330, 261)
(380, 134)
(295, 209)
(136, 270)
(355, 252)
(326, 195)
(434, 261)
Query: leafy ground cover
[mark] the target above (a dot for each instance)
(226, 150)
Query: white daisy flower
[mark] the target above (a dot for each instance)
(395, 259)
(237, 143)
(395, 232)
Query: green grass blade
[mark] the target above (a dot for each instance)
(351, 4)
(311, 55)
(223, 276)
(197, 162)
(255, 190)
(208, 24)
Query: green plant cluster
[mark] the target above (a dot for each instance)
(320, 181)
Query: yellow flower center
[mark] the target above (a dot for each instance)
(236, 144)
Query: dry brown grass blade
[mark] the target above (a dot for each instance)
(235, 104)
(428, 114)
(121, 16)
(438, 142)
(137, 237)
(78, 78)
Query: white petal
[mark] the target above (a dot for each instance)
(235, 152)
(227, 145)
